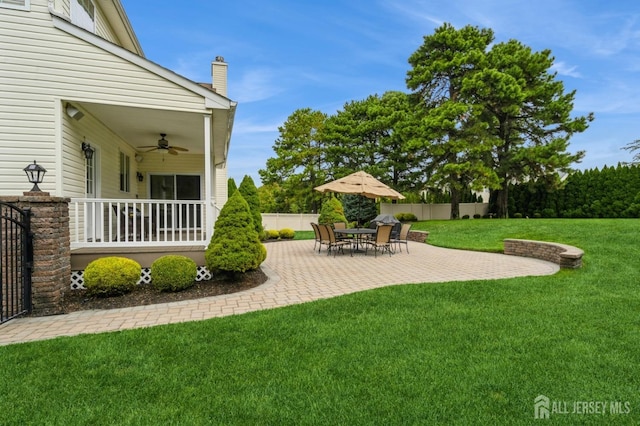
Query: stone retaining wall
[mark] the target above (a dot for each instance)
(419, 236)
(564, 255)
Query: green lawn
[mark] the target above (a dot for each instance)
(466, 353)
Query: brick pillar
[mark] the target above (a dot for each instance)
(51, 275)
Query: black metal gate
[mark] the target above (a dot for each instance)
(16, 261)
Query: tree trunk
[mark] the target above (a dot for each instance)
(502, 202)
(455, 203)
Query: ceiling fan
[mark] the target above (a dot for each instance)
(164, 147)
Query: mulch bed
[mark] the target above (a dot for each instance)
(145, 294)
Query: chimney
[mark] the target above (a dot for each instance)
(219, 76)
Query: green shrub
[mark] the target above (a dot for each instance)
(287, 233)
(235, 245)
(250, 194)
(331, 212)
(466, 216)
(173, 273)
(111, 276)
(406, 217)
(272, 234)
(477, 216)
(517, 215)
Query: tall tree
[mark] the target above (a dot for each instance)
(451, 126)
(299, 163)
(632, 147)
(373, 135)
(528, 117)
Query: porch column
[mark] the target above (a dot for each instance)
(208, 179)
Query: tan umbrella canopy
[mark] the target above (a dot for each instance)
(360, 183)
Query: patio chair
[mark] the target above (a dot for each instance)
(403, 237)
(324, 236)
(336, 244)
(126, 222)
(316, 231)
(382, 240)
(395, 232)
(341, 236)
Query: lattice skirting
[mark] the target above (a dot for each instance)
(77, 277)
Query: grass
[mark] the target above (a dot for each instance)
(475, 352)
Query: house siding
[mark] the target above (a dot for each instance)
(40, 68)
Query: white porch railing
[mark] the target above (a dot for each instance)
(107, 222)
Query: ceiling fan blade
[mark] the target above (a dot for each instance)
(152, 149)
(148, 146)
(172, 151)
(179, 148)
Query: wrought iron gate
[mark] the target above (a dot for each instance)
(16, 261)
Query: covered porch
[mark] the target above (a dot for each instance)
(141, 229)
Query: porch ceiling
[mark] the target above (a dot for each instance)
(142, 126)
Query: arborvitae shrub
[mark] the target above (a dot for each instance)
(331, 212)
(111, 276)
(250, 194)
(173, 273)
(235, 246)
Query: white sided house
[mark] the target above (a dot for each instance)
(78, 96)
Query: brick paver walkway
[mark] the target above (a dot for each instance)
(296, 274)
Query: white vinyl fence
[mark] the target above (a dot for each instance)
(434, 211)
(301, 222)
(297, 222)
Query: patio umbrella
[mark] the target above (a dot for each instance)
(360, 183)
(386, 218)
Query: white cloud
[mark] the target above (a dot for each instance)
(257, 84)
(566, 70)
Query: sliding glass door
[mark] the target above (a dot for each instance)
(178, 187)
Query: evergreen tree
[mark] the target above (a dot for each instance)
(250, 194)
(231, 187)
(331, 211)
(359, 209)
(235, 246)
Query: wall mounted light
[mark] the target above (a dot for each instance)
(88, 151)
(140, 176)
(35, 174)
(74, 112)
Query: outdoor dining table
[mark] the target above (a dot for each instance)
(357, 234)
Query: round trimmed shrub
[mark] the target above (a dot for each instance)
(111, 276)
(173, 273)
(287, 233)
(406, 217)
(272, 234)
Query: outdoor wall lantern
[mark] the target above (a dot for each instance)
(140, 176)
(35, 174)
(88, 151)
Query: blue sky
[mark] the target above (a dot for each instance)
(285, 55)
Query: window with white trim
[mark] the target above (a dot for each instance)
(16, 4)
(83, 14)
(125, 172)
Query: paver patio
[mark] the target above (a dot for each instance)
(296, 274)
